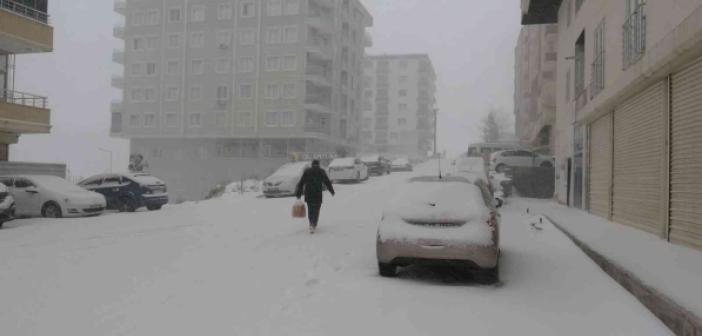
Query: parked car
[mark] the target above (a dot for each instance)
(51, 196)
(485, 149)
(347, 170)
(129, 192)
(401, 164)
(7, 205)
(518, 158)
(284, 180)
(377, 164)
(447, 221)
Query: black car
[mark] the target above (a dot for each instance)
(377, 165)
(129, 192)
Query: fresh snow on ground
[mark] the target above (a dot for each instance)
(239, 265)
(674, 270)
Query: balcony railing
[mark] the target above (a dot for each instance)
(22, 98)
(24, 10)
(598, 74)
(118, 32)
(634, 34)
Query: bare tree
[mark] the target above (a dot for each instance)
(495, 125)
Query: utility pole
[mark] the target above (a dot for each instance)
(109, 152)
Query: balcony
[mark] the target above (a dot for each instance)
(320, 21)
(118, 56)
(118, 81)
(320, 48)
(121, 7)
(318, 75)
(24, 29)
(118, 32)
(316, 122)
(23, 113)
(116, 106)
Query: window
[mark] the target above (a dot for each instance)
(247, 36)
(222, 66)
(290, 34)
(195, 120)
(272, 63)
(579, 84)
(221, 118)
(152, 42)
(272, 118)
(224, 11)
(149, 120)
(136, 94)
(246, 64)
(195, 93)
(139, 19)
(248, 9)
(175, 15)
(598, 65)
(403, 93)
(150, 94)
(245, 119)
(138, 43)
(224, 39)
(152, 17)
(172, 93)
(290, 63)
(272, 91)
(289, 90)
(171, 119)
(292, 7)
(174, 41)
(402, 107)
(172, 67)
(273, 35)
(150, 69)
(402, 121)
(275, 8)
(245, 91)
(197, 67)
(403, 79)
(287, 119)
(134, 120)
(136, 69)
(198, 14)
(197, 40)
(222, 93)
(634, 31)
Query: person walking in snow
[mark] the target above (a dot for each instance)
(312, 182)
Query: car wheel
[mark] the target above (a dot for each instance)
(154, 207)
(387, 270)
(125, 204)
(488, 276)
(500, 168)
(51, 210)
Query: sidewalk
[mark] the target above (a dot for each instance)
(662, 275)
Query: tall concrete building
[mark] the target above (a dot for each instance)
(24, 29)
(398, 105)
(218, 90)
(535, 86)
(629, 111)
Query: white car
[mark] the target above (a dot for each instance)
(284, 181)
(347, 170)
(51, 196)
(518, 158)
(7, 205)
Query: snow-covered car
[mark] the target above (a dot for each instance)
(284, 180)
(401, 164)
(377, 165)
(51, 196)
(347, 170)
(518, 158)
(7, 205)
(129, 191)
(440, 221)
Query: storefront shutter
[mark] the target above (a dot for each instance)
(600, 169)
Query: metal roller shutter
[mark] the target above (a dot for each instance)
(686, 157)
(600, 169)
(640, 151)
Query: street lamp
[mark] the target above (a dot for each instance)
(109, 152)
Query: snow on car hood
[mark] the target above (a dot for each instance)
(146, 180)
(437, 202)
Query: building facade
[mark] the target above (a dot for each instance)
(629, 111)
(399, 102)
(534, 86)
(24, 29)
(215, 91)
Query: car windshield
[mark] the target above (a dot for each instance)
(291, 169)
(55, 183)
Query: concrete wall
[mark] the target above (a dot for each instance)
(31, 168)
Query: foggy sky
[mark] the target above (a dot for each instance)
(471, 44)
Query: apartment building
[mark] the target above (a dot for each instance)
(398, 115)
(534, 86)
(629, 111)
(24, 29)
(219, 90)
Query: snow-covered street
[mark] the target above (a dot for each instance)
(240, 265)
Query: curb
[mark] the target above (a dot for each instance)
(681, 321)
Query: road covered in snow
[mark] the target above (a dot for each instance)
(240, 265)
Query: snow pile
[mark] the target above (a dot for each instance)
(245, 186)
(458, 207)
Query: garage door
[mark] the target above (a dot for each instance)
(600, 169)
(639, 158)
(686, 157)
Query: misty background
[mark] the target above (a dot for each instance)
(471, 45)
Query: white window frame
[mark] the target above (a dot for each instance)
(153, 97)
(138, 97)
(286, 66)
(191, 119)
(241, 90)
(225, 11)
(178, 38)
(284, 121)
(287, 93)
(138, 46)
(291, 7)
(227, 91)
(156, 42)
(171, 122)
(224, 39)
(201, 40)
(153, 17)
(169, 90)
(226, 69)
(146, 120)
(195, 88)
(173, 67)
(274, 8)
(247, 36)
(272, 119)
(201, 68)
(286, 35)
(272, 91)
(148, 66)
(271, 30)
(134, 120)
(273, 63)
(180, 14)
(246, 64)
(242, 6)
(245, 119)
(198, 13)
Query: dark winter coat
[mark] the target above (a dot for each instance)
(311, 183)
